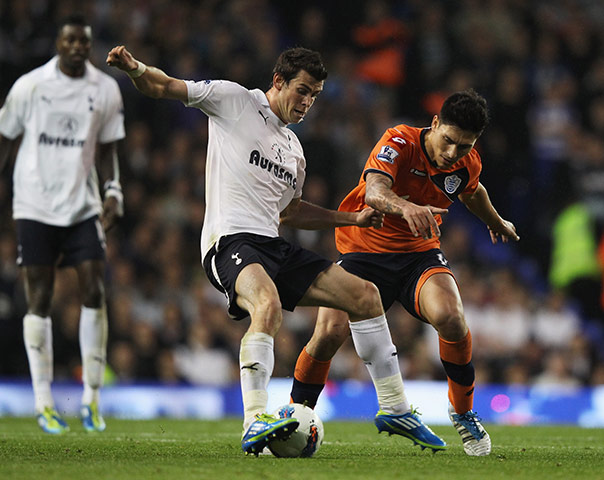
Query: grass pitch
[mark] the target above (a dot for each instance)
(191, 449)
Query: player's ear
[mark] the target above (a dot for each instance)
(435, 122)
(278, 81)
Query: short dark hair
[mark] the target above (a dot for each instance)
(292, 60)
(72, 19)
(466, 110)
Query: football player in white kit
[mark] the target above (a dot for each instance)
(254, 177)
(67, 113)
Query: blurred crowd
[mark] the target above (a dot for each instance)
(535, 308)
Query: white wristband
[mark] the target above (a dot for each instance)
(142, 68)
(114, 189)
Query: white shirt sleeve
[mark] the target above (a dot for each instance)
(300, 166)
(113, 116)
(219, 98)
(13, 112)
(301, 176)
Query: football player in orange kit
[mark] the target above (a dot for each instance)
(411, 175)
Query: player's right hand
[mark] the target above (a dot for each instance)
(121, 58)
(421, 219)
(111, 213)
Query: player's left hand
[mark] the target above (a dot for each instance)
(110, 213)
(370, 217)
(505, 231)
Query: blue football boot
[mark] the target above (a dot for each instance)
(91, 418)
(51, 422)
(265, 429)
(409, 425)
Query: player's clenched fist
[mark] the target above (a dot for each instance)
(121, 58)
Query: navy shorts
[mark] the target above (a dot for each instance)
(292, 268)
(42, 244)
(398, 276)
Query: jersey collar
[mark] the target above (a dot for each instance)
(263, 99)
(52, 71)
(422, 142)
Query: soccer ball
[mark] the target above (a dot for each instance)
(307, 438)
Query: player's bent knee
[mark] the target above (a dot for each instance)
(266, 315)
(450, 325)
(334, 332)
(367, 302)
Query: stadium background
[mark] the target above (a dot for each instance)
(535, 308)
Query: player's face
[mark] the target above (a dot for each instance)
(296, 97)
(73, 46)
(447, 144)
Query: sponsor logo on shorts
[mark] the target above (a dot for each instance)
(235, 257)
(442, 259)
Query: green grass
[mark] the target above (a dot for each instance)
(192, 449)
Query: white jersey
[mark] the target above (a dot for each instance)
(255, 164)
(62, 119)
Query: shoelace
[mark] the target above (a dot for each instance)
(415, 411)
(472, 418)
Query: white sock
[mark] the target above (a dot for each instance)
(256, 362)
(374, 346)
(37, 336)
(93, 347)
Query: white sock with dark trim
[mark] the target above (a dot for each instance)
(374, 346)
(93, 348)
(256, 362)
(37, 335)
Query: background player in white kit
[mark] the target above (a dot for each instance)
(68, 113)
(254, 176)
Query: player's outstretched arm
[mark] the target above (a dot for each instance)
(307, 216)
(150, 81)
(379, 195)
(480, 205)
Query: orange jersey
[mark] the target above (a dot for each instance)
(400, 155)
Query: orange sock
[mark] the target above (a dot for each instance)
(456, 357)
(310, 370)
(310, 376)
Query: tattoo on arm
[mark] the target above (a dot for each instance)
(379, 194)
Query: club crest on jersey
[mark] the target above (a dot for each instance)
(69, 125)
(387, 154)
(452, 183)
(278, 153)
